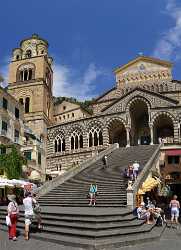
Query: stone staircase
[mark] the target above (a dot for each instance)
(110, 181)
(68, 220)
(89, 228)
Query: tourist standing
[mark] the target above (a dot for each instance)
(37, 211)
(130, 172)
(29, 215)
(175, 206)
(105, 161)
(92, 194)
(136, 166)
(13, 212)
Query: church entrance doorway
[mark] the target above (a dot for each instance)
(163, 128)
(117, 133)
(140, 131)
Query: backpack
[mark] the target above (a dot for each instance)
(36, 208)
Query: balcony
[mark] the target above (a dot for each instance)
(3, 132)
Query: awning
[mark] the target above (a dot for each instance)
(173, 152)
(149, 184)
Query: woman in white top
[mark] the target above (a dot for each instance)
(28, 208)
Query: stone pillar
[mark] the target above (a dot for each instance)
(151, 134)
(176, 132)
(127, 137)
(105, 134)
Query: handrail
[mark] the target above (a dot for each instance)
(48, 186)
(131, 193)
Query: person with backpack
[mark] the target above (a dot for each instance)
(37, 211)
(92, 194)
(13, 212)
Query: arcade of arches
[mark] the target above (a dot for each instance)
(140, 129)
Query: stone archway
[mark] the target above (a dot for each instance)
(140, 130)
(117, 133)
(163, 127)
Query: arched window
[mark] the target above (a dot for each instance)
(95, 137)
(59, 144)
(81, 141)
(72, 142)
(27, 105)
(76, 140)
(30, 74)
(56, 147)
(26, 72)
(90, 140)
(28, 53)
(63, 145)
(25, 75)
(17, 57)
(100, 138)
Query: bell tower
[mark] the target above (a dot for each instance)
(31, 80)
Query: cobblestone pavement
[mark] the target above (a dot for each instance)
(32, 244)
(171, 240)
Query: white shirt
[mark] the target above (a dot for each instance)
(28, 205)
(136, 166)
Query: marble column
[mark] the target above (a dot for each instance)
(127, 137)
(151, 134)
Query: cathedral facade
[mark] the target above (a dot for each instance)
(143, 107)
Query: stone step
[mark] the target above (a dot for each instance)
(99, 244)
(88, 233)
(83, 224)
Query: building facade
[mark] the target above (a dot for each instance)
(142, 108)
(11, 119)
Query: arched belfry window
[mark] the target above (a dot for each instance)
(27, 105)
(59, 143)
(26, 72)
(95, 137)
(28, 53)
(76, 140)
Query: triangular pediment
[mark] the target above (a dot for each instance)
(143, 63)
(155, 100)
(142, 69)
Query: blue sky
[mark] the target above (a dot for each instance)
(88, 39)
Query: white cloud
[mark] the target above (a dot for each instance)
(67, 83)
(4, 71)
(169, 46)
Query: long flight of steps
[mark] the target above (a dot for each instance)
(110, 181)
